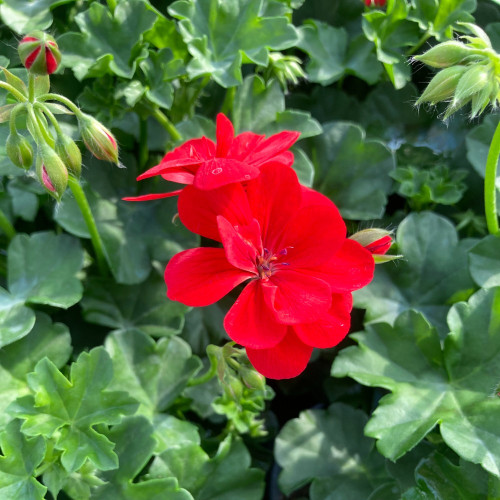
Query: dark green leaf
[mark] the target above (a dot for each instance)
(219, 34)
(453, 386)
(484, 262)
(328, 448)
(352, 171)
(107, 42)
(426, 279)
(154, 373)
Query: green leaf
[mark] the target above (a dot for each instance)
(439, 479)
(23, 192)
(196, 472)
(69, 410)
(146, 228)
(328, 448)
(453, 386)
(23, 17)
(135, 308)
(134, 447)
(42, 269)
(19, 359)
(219, 34)
(352, 171)
(154, 373)
(426, 279)
(332, 56)
(21, 456)
(108, 43)
(484, 262)
(16, 320)
(160, 68)
(170, 431)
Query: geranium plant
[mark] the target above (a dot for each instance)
(194, 196)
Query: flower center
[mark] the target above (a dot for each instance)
(268, 263)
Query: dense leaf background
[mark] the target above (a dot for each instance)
(100, 393)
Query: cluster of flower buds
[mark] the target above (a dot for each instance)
(470, 72)
(377, 242)
(57, 155)
(287, 69)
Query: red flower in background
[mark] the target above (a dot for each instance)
(289, 244)
(375, 3)
(209, 165)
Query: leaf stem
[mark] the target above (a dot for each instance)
(6, 226)
(84, 207)
(208, 375)
(13, 91)
(490, 193)
(419, 44)
(167, 124)
(51, 116)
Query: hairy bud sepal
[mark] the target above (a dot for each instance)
(19, 150)
(51, 171)
(70, 154)
(98, 139)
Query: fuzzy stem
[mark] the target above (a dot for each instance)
(6, 226)
(490, 202)
(51, 116)
(41, 131)
(419, 44)
(167, 125)
(31, 87)
(64, 100)
(84, 207)
(20, 97)
(208, 375)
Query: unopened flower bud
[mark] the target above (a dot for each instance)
(98, 139)
(445, 54)
(377, 242)
(70, 154)
(19, 150)
(51, 171)
(443, 85)
(252, 379)
(39, 53)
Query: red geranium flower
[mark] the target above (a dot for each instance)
(289, 243)
(209, 165)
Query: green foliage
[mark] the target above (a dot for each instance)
(453, 385)
(426, 279)
(221, 36)
(68, 410)
(352, 170)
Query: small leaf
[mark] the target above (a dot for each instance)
(21, 456)
(15, 81)
(5, 112)
(16, 320)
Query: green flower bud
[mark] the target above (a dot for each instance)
(252, 379)
(98, 139)
(51, 171)
(39, 53)
(19, 150)
(475, 79)
(445, 54)
(443, 85)
(70, 154)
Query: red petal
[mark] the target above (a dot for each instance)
(286, 158)
(225, 135)
(300, 298)
(197, 149)
(313, 236)
(274, 197)
(164, 167)
(52, 63)
(273, 146)
(381, 246)
(329, 330)
(250, 322)
(180, 177)
(310, 197)
(201, 276)
(351, 268)
(243, 145)
(29, 39)
(31, 58)
(221, 171)
(198, 210)
(241, 249)
(153, 196)
(286, 360)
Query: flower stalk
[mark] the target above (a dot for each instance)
(6, 226)
(490, 203)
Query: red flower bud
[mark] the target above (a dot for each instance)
(98, 139)
(39, 53)
(51, 171)
(377, 242)
(375, 3)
